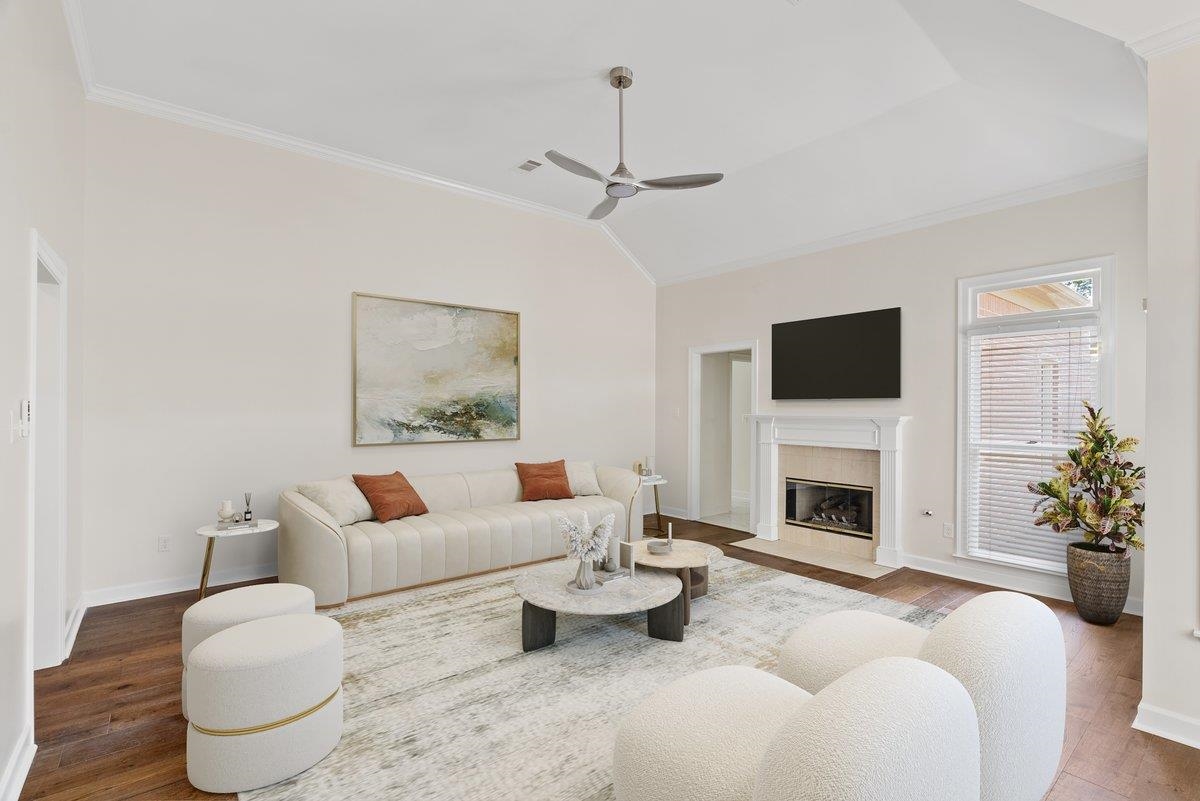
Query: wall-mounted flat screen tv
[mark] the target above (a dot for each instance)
(847, 356)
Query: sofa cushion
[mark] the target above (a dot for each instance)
(341, 497)
(544, 481)
(443, 492)
(490, 487)
(391, 496)
(582, 478)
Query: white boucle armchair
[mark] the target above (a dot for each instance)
(896, 729)
(1005, 648)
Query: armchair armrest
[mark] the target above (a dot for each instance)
(623, 486)
(826, 647)
(311, 549)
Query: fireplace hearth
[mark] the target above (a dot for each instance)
(826, 506)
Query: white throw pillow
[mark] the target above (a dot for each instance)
(341, 497)
(582, 478)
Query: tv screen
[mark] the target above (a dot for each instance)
(848, 356)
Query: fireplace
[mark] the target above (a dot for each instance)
(845, 509)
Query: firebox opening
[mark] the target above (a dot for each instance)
(826, 506)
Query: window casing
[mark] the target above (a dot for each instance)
(1023, 377)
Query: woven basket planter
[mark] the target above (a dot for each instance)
(1099, 582)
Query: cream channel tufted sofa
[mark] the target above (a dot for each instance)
(476, 523)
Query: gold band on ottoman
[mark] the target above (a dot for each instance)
(267, 726)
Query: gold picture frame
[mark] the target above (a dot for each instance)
(425, 371)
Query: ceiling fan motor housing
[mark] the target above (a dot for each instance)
(620, 77)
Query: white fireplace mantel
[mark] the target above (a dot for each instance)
(866, 433)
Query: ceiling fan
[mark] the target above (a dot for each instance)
(621, 182)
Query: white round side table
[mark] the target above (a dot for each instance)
(655, 481)
(213, 534)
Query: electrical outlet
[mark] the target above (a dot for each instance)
(947, 531)
(164, 544)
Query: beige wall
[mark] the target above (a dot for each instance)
(41, 186)
(918, 271)
(218, 343)
(1171, 701)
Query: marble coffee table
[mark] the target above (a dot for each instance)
(688, 559)
(544, 592)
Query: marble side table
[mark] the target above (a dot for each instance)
(688, 559)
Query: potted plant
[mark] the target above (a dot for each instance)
(1096, 492)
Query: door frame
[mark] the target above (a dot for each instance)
(45, 256)
(694, 367)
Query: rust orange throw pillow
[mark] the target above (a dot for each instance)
(391, 496)
(545, 481)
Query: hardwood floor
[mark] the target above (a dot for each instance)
(108, 723)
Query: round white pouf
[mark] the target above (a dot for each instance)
(266, 701)
(701, 736)
(223, 610)
(829, 646)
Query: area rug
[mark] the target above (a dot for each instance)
(442, 704)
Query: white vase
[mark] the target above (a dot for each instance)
(585, 578)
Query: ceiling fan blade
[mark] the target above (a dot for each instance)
(681, 181)
(603, 208)
(578, 167)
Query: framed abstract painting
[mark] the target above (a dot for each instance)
(434, 372)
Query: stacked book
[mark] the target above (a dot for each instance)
(237, 525)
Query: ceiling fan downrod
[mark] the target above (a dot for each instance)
(621, 78)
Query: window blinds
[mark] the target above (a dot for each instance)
(1025, 390)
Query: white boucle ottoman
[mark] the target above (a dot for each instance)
(226, 609)
(266, 701)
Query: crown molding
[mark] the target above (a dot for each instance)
(1067, 186)
(253, 133)
(619, 245)
(73, 13)
(1167, 40)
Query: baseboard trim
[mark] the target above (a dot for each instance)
(1164, 723)
(1044, 584)
(149, 589)
(16, 767)
(674, 511)
(889, 557)
(73, 628)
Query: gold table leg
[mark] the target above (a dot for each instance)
(657, 509)
(208, 552)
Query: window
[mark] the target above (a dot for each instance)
(1033, 345)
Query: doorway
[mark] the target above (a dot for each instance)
(47, 458)
(723, 395)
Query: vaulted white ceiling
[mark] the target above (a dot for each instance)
(832, 120)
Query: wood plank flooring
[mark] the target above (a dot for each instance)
(108, 723)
